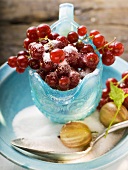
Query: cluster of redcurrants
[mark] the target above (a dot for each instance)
(62, 61)
(123, 85)
(108, 49)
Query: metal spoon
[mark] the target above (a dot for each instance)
(52, 156)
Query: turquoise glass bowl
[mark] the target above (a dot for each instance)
(70, 105)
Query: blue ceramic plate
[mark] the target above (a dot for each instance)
(15, 95)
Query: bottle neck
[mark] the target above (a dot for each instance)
(66, 10)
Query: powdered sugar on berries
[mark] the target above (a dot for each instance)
(46, 57)
(70, 49)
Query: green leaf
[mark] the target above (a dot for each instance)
(116, 94)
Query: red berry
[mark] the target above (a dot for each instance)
(22, 61)
(94, 32)
(46, 65)
(63, 70)
(125, 103)
(87, 48)
(122, 85)
(118, 48)
(44, 41)
(105, 93)
(43, 30)
(102, 102)
(99, 40)
(91, 60)
(19, 69)
(125, 74)
(51, 79)
(82, 30)
(108, 58)
(26, 43)
(80, 62)
(113, 80)
(64, 83)
(34, 63)
(72, 37)
(57, 55)
(42, 74)
(104, 49)
(36, 50)
(32, 33)
(71, 55)
(53, 35)
(30, 45)
(79, 45)
(26, 53)
(12, 61)
(74, 79)
(63, 40)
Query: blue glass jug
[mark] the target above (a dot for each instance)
(71, 105)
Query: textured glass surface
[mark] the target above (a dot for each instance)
(75, 104)
(64, 106)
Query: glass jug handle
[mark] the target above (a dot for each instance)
(66, 22)
(66, 10)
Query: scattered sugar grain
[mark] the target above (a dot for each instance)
(42, 134)
(94, 123)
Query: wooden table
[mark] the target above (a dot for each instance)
(109, 17)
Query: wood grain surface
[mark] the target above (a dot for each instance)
(109, 17)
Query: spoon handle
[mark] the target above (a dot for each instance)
(113, 128)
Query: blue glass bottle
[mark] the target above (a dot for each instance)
(74, 104)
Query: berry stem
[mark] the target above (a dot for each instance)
(118, 109)
(91, 37)
(119, 82)
(110, 42)
(106, 45)
(45, 38)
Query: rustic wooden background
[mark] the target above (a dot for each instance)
(109, 17)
